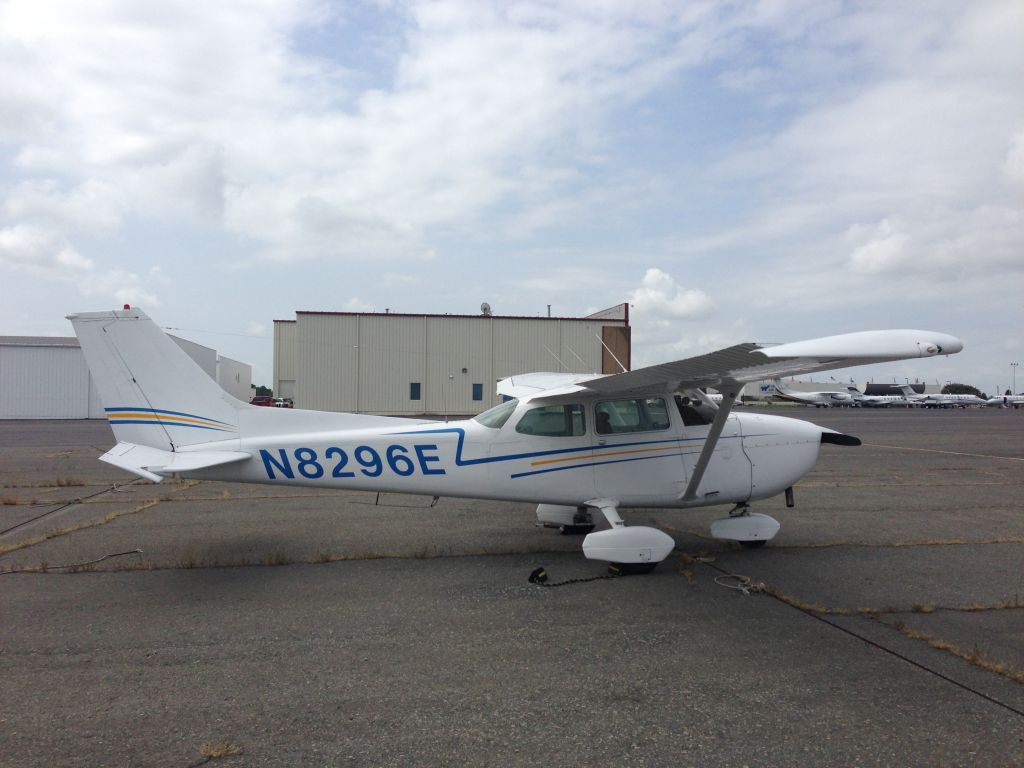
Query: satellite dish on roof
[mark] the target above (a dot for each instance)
(485, 309)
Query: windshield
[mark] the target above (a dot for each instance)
(496, 417)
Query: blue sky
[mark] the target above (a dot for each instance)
(737, 171)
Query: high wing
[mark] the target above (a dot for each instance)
(731, 368)
(727, 370)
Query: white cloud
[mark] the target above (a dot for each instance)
(355, 304)
(667, 320)
(121, 287)
(45, 255)
(1014, 165)
(660, 299)
(40, 251)
(396, 278)
(255, 328)
(885, 251)
(92, 206)
(213, 115)
(897, 190)
(826, 161)
(553, 278)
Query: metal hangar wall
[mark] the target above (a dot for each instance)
(45, 377)
(409, 364)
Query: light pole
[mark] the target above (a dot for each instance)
(1013, 370)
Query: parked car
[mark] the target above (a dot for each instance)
(283, 402)
(264, 400)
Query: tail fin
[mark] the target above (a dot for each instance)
(153, 393)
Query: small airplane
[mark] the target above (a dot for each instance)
(1006, 401)
(817, 399)
(939, 400)
(878, 401)
(572, 443)
(912, 398)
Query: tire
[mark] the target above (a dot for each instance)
(630, 569)
(575, 530)
(755, 544)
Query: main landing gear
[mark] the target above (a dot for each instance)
(570, 521)
(639, 549)
(635, 549)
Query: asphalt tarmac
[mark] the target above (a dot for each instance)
(287, 627)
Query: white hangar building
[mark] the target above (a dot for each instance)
(45, 377)
(413, 365)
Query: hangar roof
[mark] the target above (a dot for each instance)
(38, 341)
(617, 314)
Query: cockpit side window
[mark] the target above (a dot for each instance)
(554, 421)
(694, 413)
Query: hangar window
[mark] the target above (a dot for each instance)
(554, 421)
(478, 391)
(414, 390)
(639, 414)
(496, 417)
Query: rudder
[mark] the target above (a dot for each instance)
(153, 393)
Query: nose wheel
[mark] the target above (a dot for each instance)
(754, 544)
(749, 529)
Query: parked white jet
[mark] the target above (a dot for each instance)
(578, 443)
(939, 400)
(817, 399)
(878, 401)
(1006, 401)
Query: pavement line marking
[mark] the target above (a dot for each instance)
(949, 453)
(811, 612)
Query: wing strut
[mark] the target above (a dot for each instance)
(729, 396)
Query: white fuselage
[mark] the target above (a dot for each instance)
(881, 401)
(949, 401)
(758, 456)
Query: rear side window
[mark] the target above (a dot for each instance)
(554, 421)
(640, 414)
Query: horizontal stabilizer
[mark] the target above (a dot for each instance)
(155, 464)
(528, 384)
